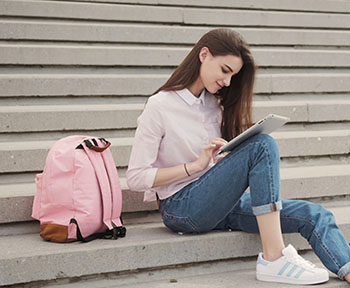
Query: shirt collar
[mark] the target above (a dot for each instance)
(189, 98)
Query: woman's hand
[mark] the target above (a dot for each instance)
(209, 152)
(169, 175)
(219, 157)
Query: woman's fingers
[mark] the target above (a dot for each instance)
(218, 141)
(209, 150)
(214, 145)
(218, 158)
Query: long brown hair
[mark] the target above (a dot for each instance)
(236, 99)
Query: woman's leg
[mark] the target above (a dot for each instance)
(271, 235)
(200, 206)
(312, 221)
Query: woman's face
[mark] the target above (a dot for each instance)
(216, 72)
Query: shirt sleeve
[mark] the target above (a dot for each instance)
(141, 173)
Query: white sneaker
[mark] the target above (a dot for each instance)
(290, 268)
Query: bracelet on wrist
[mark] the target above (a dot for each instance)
(188, 174)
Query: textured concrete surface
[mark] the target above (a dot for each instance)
(16, 201)
(107, 55)
(173, 14)
(296, 5)
(67, 64)
(43, 118)
(30, 156)
(217, 274)
(296, 183)
(262, 18)
(74, 10)
(69, 117)
(146, 84)
(25, 258)
(167, 34)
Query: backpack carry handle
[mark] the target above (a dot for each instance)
(97, 148)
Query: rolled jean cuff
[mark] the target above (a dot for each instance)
(268, 208)
(344, 270)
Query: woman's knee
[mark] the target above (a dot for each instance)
(266, 140)
(267, 144)
(319, 217)
(324, 216)
(305, 217)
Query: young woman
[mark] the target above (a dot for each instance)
(205, 103)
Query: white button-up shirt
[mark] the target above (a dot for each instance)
(172, 130)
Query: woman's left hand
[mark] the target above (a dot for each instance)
(219, 157)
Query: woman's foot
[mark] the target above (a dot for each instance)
(347, 278)
(290, 268)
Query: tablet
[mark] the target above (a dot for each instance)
(266, 125)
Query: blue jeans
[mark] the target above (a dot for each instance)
(218, 201)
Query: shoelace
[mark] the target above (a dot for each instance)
(298, 260)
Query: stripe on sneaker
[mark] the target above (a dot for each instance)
(292, 270)
(299, 273)
(285, 266)
(261, 261)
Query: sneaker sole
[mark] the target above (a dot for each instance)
(268, 278)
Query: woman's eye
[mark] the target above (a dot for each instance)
(224, 71)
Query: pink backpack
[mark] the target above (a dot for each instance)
(78, 194)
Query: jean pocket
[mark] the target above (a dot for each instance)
(179, 224)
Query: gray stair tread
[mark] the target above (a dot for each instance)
(262, 18)
(291, 144)
(126, 33)
(154, 14)
(93, 11)
(128, 141)
(296, 173)
(75, 108)
(29, 255)
(314, 172)
(46, 144)
(296, 183)
(121, 116)
(28, 189)
(106, 55)
(300, 5)
(133, 84)
(216, 274)
(140, 106)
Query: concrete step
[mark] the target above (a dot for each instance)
(69, 117)
(28, 156)
(175, 15)
(16, 201)
(26, 258)
(93, 116)
(14, 85)
(213, 274)
(107, 55)
(299, 5)
(264, 18)
(16, 198)
(91, 11)
(32, 227)
(44, 30)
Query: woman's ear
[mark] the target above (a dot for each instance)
(204, 53)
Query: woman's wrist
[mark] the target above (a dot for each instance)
(193, 168)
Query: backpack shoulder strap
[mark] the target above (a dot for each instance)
(115, 186)
(103, 180)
